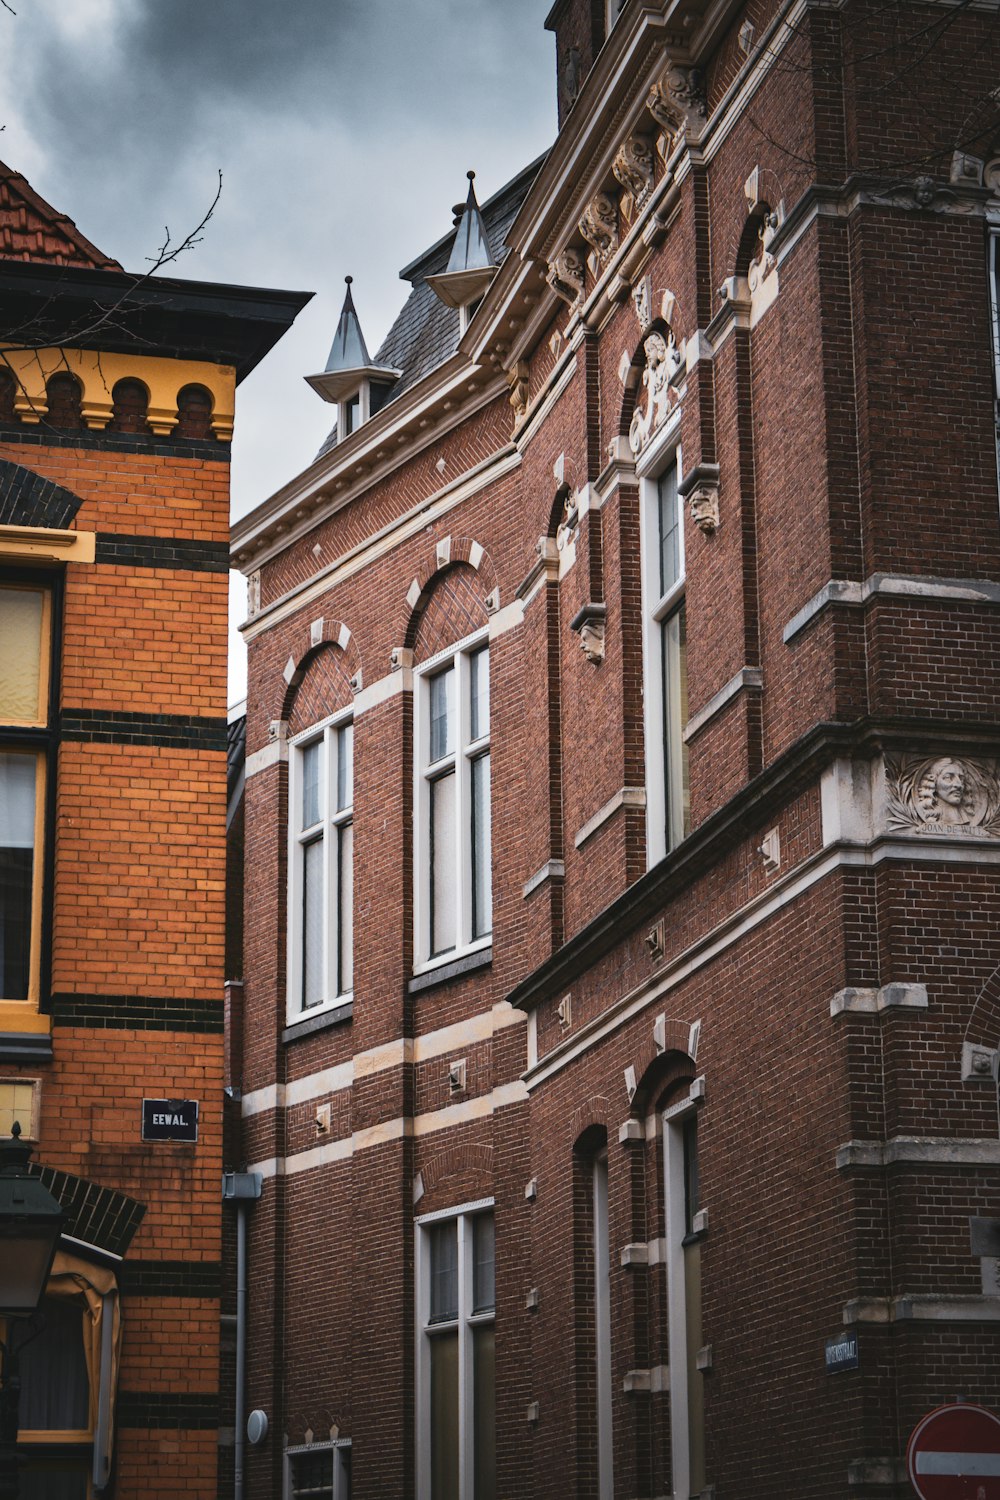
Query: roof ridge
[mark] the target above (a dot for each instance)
(55, 239)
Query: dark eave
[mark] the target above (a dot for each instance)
(68, 306)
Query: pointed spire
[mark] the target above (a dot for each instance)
(349, 350)
(470, 267)
(349, 363)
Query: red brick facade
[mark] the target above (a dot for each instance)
(128, 916)
(809, 973)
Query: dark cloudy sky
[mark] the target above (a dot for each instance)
(343, 132)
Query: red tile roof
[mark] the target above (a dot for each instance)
(32, 230)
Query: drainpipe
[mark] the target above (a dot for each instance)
(241, 1188)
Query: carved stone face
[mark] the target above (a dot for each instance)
(949, 782)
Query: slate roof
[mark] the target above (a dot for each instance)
(426, 332)
(32, 230)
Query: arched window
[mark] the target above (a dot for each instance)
(453, 900)
(65, 398)
(130, 401)
(194, 413)
(592, 1311)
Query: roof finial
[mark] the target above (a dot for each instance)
(348, 279)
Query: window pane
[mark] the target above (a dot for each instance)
(444, 1417)
(352, 414)
(55, 1392)
(345, 767)
(444, 883)
(444, 1271)
(54, 1476)
(312, 923)
(442, 732)
(312, 1474)
(484, 1411)
(311, 762)
(671, 543)
(345, 914)
(690, 1139)
(21, 612)
(482, 860)
(17, 840)
(479, 694)
(675, 712)
(483, 1264)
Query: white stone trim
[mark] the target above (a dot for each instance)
(735, 926)
(269, 755)
(552, 869)
(411, 523)
(921, 1150)
(629, 796)
(920, 1308)
(746, 677)
(379, 692)
(872, 1002)
(506, 619)
(894, 585)
(392, 1130)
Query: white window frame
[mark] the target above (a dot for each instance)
(664, 780)
(612, 10)
(337, 1450)
(466, 750)
(675, 1229)
(332, 821)
(602, 1329)
(993, 241)
(467, 1321)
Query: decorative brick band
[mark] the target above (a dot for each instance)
(28, 499)
(114, 442)
(144, 1409)
(162, 552)
(99, 1216)
(138, 1012)
(171, 1278)
(175, 731)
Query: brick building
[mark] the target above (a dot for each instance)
(622, 802)
(116, 413)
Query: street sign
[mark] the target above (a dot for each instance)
(170, 1119)
(842, 1353)
(954, 1454)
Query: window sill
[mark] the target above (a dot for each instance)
(25, 1047)
(309, 1025)
(481, 958)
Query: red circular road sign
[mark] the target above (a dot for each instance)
(954, 1454)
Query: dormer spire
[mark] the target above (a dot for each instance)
(470, 267)
(349, 350)
(349, 369)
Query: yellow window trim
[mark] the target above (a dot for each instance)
(46, 544)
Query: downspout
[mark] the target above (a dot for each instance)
(242, 1188)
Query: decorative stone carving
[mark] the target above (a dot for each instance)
(599, 224)
(566, 275)
(642, 299)
(663, 361)
(943, 796)
(633, 166)
(569, 525)
(763, 264)
(677, 101)
(966, 170)
(700, 487)
(253, 594)
(656, 942)
(704, 507)
(517, 379)
(588, 624)
(991, 171)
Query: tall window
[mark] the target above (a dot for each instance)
(683, 1240)
(321, 870)
(456, 1376)
(25, 631)
(667, 791)
(602, 1328)
(453, 880)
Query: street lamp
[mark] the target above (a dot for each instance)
(30, 1224)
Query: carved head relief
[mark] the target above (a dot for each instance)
(947, 795)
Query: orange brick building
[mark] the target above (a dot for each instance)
(116, 414)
